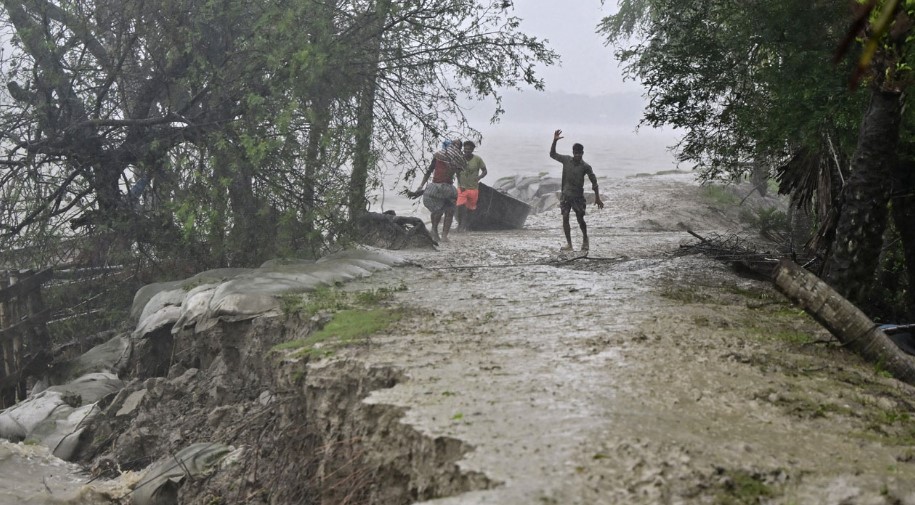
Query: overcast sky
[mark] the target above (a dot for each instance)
(587, 67)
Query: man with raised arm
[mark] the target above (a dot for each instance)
(572, 197)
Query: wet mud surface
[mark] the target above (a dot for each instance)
(634, 375)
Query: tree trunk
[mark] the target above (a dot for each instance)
(849, 325)
(850, 268)
(313, 159)
(105, 179)
(800, 225)
(365, 116)
(318, 96)
(245, 240)
(759, 176)
(904, 216)
(246, 244)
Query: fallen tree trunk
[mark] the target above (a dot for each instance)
(846, 322)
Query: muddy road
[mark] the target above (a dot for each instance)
(634, 375)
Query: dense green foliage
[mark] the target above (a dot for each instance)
(746, 81)
(781, 87)
(224, 132)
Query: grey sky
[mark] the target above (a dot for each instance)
(588, 67)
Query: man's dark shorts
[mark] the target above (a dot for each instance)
(576, 203)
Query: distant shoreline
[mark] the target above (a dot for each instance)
(536, 107)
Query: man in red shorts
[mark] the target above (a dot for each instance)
(468, 185)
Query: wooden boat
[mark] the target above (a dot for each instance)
(498, 211)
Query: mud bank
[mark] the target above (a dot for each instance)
(229, 409)
(299, 432)
(636, 375)
(512, 375)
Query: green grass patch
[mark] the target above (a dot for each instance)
(890, 436)
(743, 488)
(788, 312)
(807, 408)
(824, 409)
(685, 295)
(719, 195)
(323, 298)
(772, 220)
(788, 336)
(895, 416)
(767, 221)
(894, 427)
(348, 327)
(751, 293)
(332, 299)
(878, 370)
(772, 186)
(376, 296)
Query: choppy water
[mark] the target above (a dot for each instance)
(523, 149)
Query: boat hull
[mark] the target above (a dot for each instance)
(497, 211)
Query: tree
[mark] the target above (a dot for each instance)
(365, 109)
(232, 129)
(104, 92)
(863, 217)
(751, 80)
(431, 56)
(903, 208)
(744, 80)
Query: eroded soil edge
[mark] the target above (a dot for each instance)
(301, 430)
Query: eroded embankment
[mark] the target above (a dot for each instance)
(363, 453)
(301, 431)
